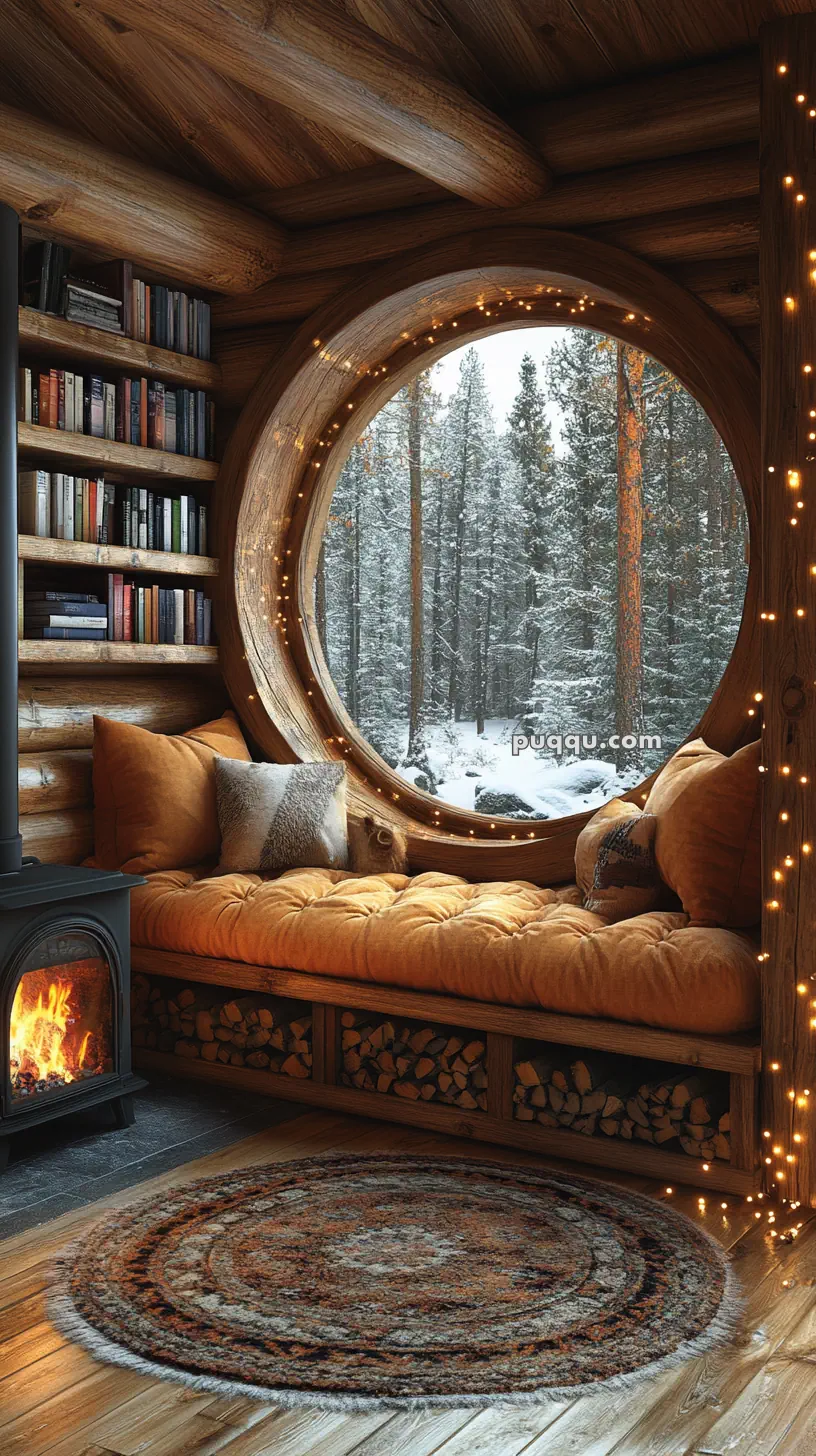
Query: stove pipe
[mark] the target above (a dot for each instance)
(11, 845)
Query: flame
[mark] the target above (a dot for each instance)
(39, 1031)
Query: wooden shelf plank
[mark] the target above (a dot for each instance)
(125, 653)
(116, 558)
(37, 442)
(64, 340)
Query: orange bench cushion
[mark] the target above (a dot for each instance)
(513, 944)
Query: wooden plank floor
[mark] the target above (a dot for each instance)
(758, 1397)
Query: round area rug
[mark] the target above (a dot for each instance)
(355, 1283)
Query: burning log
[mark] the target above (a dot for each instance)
(243, 1031)
(425, 1063)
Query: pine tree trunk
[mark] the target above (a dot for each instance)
(629, 644)
(454, 685)
(417, 690)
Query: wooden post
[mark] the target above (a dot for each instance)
(324, 1043)
(788, 606)
(499, 1075)
(743, 1121)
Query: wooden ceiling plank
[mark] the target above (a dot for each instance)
(424, 29)
(525, 58)
(80, 192)
(585, 200)
(43, 75)
(225, 133)
(309, 55)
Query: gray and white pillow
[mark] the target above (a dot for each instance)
(278, 816)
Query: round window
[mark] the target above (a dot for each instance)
(533, 573)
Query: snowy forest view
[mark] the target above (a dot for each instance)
(557, 548)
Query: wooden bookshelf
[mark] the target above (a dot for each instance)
(120, 653)
(114, 558)
(55, 447)
(45, 333)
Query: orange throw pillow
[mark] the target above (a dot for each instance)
(154, 794)
(708, 832)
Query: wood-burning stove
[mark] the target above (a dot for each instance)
(64, 995)
(64, 930)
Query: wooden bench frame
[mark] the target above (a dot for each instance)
(739, 1056)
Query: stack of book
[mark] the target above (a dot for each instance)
(64, 616)
(138, 612)
(85, 303)
(134, 411)
(79, 508)
(171, 319)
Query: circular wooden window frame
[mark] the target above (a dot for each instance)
(296, 431)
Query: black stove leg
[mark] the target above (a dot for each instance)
(123, 1113)
(5, 1149)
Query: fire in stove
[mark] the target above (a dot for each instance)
(60, 1027)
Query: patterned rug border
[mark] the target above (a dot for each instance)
(723, 1329)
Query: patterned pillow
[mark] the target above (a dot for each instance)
(276, 816)
(615, 862)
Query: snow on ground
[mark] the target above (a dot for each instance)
(469, 767)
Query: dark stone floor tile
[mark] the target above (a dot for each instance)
(82, 1157)
(35, 1214)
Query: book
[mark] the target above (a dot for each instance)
(97, 412)
(34, 502)
(66, 634)
(25, 397)
(67, 619)
(109, 411)
(59, 597)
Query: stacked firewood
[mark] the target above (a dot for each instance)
(241, 1031)
(598, 1094)
(413, 1061)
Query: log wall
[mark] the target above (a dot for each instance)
(55, 728)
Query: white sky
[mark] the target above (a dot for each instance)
(501, 355)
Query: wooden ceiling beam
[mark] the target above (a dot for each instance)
(580, 201)
(664, 115)
(311, 56)
(697, 108)
(82, 193)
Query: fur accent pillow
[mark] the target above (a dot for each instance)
(281, 816)
(615, 864)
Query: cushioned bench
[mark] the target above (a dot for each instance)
(648, 958)
(510, 944)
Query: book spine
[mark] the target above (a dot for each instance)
(53, 399)
(178, 636)
(142, 542)
(68, 498)
(97, 407)
(127, 612)
(110, 412)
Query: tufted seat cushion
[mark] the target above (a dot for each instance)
(508, 943)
